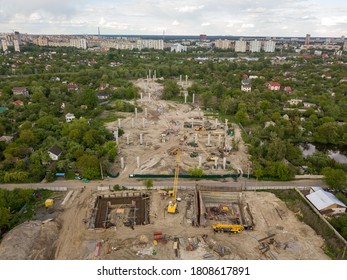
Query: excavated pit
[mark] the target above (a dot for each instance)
(129, 208)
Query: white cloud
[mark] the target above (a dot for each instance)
(188, 9)
(205, 24)
(175, 22)
(332, 21)
(247, 25)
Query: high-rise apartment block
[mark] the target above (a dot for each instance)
(150, 44)
(41, 41)
(240, 46)
(269, 46)
(223, 44)
(255, 46)
(345, 46)
(79, 43)
(4, 45)
(307, 39)
(16, 45)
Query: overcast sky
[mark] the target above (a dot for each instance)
(319, 18)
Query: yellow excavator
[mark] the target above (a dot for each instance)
(227, 228)
(172, 208)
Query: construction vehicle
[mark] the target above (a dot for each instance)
(208, 156)
(193, 154)
(172, 208)
(227, 228)
(200, 128)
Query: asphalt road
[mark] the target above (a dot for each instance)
(168, 183)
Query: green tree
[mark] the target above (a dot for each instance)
(88, 166)
(334, 178)
(196, 171)
(5, 217)
(148, 183)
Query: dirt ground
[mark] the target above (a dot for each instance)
(67, 236)
(166, 117)
(292, 239)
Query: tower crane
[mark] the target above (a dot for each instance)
(172, 208)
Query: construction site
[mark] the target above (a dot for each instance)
(203, 222)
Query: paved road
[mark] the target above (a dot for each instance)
(168, 183)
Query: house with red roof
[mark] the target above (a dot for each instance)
(18, 103)
(274, 86)
(288, 90)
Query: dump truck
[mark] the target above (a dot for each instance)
(227, 228)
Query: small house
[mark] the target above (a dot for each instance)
(20, 91)
(246, 85)
(288, 90)
(54, 152)
(103, 96)
(326, 202)
(18, 103)
(72, 86)
(69, 117)
(274, 86)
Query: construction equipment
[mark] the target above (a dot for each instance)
(208, 157)
(172, 208)
(227, 228)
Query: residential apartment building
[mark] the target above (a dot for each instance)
(79, 43)
(223, 44)
(178, 48)
(150, 44)
(40, 41)
(16, 45)
(240, 46)
(345, 46)
(4, 45)
(255, 46)
(269, 46)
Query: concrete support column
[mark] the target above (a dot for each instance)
(226, 123)
(118, 123)
(116, 135)
(192, 123)
(180, 80)
(146, 113)
(132, 123)
(224, 162)
(185, 97)
(186, 80)
(128, 139)
(143, 122)
(141, 139)
(193, 100)
(200, 161)
(141, 95)
(135, 112)
(155, 74)
(209, 139)
(219, 140)
(122, 162)
(138, 162)
(215, 163)
(216, 122)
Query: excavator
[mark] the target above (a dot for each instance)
(172, 208)
(227, 228)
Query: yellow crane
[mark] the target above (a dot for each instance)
(208, 156)
(172, 208)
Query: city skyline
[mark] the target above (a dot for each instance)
(289, 18)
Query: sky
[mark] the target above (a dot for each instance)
(293, 18)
